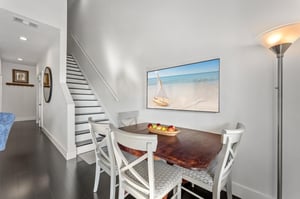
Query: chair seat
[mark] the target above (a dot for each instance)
(197, 176)
(166, 177)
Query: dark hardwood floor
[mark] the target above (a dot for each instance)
(32, 168)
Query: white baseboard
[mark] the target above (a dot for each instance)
(248, 193)
(67, 154)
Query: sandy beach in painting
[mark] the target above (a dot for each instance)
(194, 96)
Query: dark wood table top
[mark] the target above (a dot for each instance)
(192, 149)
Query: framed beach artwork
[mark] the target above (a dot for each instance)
(189, 87)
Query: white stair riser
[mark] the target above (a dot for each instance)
(86, 103)
(88, 110)
(83, 137)
(71, 69)
(70, 59)
(77, 85)
(72, 63)
(81, 127)
(74, 73)
(80, 91)
(85, 148)
(82, 118)
(81, 81)
(74, 76)
(89, 97)
(85, 126)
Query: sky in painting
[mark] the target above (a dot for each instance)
(199, 67)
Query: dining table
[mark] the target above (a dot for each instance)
(189, 148)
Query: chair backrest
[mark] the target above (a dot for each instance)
(103, 148)
(127, 118)
(132, 180)
(230, 141)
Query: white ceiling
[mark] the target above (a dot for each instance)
(38, 39)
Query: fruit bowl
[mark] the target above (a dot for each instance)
(163, 130)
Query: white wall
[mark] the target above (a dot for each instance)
(125, 39)
(20, 100)
(57, 124)
(55, 113)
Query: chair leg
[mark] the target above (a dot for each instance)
(121, 192)
(216, 192)
(97, 177)
(229, 187)
(179, 191)
(112, 186)
(217, 195)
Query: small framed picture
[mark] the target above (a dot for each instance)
(20, 76)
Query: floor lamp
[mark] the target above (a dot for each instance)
(279, 40)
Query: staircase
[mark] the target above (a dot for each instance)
(86, 105)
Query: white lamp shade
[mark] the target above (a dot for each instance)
(280, 35)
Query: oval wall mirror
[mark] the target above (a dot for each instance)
(47, 84)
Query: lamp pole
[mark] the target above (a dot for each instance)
(279, 40)
(279, 50)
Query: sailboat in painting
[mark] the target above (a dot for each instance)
(160, 98)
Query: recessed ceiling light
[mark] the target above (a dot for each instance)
(23, 38)
(19, 59)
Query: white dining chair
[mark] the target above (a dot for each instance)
(143, 178)
(218, 175)
(105, 159)
(127, 118)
